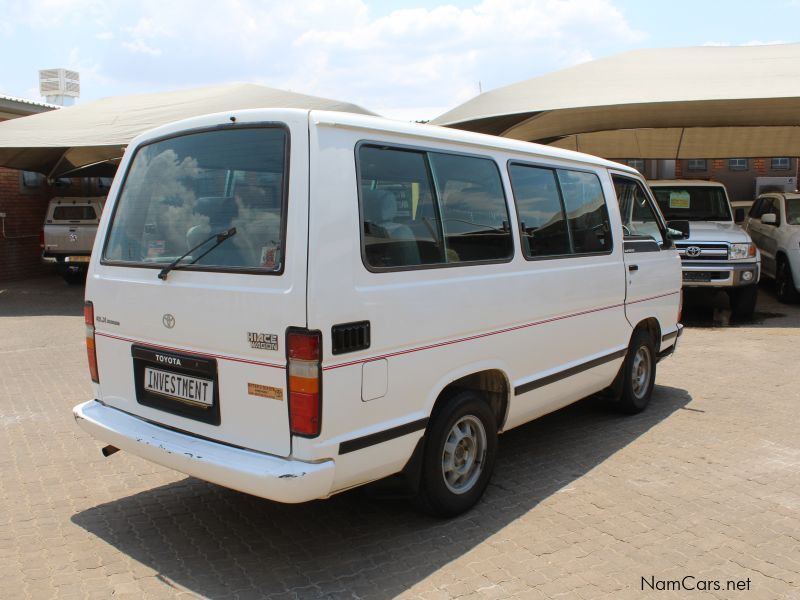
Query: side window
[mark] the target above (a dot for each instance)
(757, 209)
(399, 218)
(473, 208)
(586, 211)
(638, 215)
(408, 221)
(774, 208)
(542, 222)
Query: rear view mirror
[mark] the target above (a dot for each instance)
(738, 215)
(769, 219)
(677, 230)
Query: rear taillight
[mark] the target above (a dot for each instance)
(41, 239)
(91, 352)
(303, 353)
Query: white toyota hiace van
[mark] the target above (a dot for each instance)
(294, 303)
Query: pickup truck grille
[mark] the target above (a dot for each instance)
(702, 252)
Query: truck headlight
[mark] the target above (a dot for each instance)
(741, 251)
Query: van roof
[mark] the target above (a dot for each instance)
(372, 123)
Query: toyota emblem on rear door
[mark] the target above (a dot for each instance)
(168, 320)
(693, 251)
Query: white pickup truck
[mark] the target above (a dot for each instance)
(68, 234)
(718, 254)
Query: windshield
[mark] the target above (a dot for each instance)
(793, 211)
(182, 190)
(693, 203)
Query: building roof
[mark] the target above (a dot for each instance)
(12, 107)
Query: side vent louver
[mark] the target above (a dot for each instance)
(349, 337)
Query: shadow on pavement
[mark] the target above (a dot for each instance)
(711, 308)
(215, 541)
(47, 295)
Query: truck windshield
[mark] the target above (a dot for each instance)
(693, 203)
(793, 211)
(182, 190)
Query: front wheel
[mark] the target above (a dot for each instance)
(638, 373)
(743, 301)
(784, 283)
(460, 451)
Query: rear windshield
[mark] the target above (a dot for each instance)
(693, 203)
(181, 192)
(74, 213)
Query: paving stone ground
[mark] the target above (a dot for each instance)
(584, 503)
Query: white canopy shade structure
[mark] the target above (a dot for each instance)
(700, 102)
(90, 139)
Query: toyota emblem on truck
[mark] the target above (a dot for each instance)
(168, 320)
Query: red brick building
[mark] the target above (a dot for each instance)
(737, 174)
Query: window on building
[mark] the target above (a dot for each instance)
(781, 164)
(31, 179)
(636, 163)
(738, 164)
(697, 164)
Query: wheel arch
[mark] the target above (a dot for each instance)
(490, 379)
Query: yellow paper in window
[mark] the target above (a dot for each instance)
(679, 199)
(414, 199)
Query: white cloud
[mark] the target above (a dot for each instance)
(407, 61)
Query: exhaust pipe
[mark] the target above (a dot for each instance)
(109, 450)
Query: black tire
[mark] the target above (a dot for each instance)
(784, 283)
(74, 277)
(638, 373)
(443, 494)
(743, 301)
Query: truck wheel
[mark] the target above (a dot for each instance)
(74, 277)
(743, 301)
(784, 283)
(460, 451)
(638, 373)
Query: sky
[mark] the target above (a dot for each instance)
(408, 59)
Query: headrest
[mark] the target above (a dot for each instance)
(380, 206)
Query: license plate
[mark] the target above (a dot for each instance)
(78, 259)
(184, 388)
(696, 276)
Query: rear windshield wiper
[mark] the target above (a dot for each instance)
(219, 237)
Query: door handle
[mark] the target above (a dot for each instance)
(633, 268)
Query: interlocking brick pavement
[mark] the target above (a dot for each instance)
(584, 503)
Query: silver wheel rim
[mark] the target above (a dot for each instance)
(463, 454)
(640, 373)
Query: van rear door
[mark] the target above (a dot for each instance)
(200, 347)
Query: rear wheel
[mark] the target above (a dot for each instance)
(460, 451)
(743, 301)
(638, 373)
(74, 276)
(784, 283)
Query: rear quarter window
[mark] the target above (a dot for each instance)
(423, 208)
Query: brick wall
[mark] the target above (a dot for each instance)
(25, 208)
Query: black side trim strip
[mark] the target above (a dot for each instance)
(382, 436)
(532, 385)
(668, 336)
